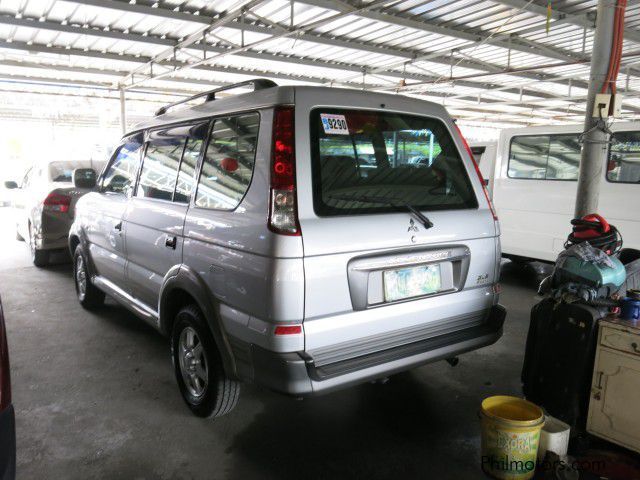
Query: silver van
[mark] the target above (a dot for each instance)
(288, 237)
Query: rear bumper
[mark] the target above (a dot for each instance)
(53, 231)
(296, 373)
(7, 444)
(53, 243)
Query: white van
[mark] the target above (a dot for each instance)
(534, 186)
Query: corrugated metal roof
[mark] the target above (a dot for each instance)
(487, 60)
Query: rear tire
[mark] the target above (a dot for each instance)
(40, 258)
(89, 296)
(518, 260)
(203, 383)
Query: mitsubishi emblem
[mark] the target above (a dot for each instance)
(412, 226)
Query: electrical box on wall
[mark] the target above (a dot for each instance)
(601, 105)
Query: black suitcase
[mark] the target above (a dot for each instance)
(558, 361)
(630, 258)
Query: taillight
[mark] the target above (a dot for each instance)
(283, 212)
(5, 377)
(288, 329)
(480, 177)
(56, 202)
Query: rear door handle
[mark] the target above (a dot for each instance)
(118, 227)
(171, 242)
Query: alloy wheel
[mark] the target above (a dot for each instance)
(32, 241)
(81, 277)
(193, 364)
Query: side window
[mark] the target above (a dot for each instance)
(160, 165)
(120, 176)
(624, 158)
(528, 156)
(545, 157)
(228, 163)
(564, 157)
(195, 141)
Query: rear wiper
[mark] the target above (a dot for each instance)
(372, 199)
(420, 216)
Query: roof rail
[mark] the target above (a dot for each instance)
(258, 84)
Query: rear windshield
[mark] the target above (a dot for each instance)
(375, 162)
(63, 171)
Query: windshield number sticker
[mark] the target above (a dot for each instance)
(334, 124)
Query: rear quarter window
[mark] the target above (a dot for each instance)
(229, 161)
(377, 162)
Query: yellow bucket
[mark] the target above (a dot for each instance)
(510, 436)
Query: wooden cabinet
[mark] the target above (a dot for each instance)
(614, 407)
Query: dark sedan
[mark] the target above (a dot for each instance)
(7, 417)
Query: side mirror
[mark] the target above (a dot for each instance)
(10, 185)
(84, 178)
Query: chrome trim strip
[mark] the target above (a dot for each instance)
(138, 308)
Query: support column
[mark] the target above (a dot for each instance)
(123, 112)
(594, 147)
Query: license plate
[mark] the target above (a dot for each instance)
(411, 282)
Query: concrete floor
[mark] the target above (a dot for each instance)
(95, 397)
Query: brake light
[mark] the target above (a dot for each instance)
(288, 329)
(56, 202)
(480, 177)
(5, 377)
(283, 212)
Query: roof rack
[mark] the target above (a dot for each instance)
(258, 84)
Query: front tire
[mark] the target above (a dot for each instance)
(203, 383)
(89, 296)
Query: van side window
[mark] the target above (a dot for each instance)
(228, 163)
(545, 157)
(195, 140)
(160, 166)
(564, 157)
(624, 158)
(528, 156)
(120, 176)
